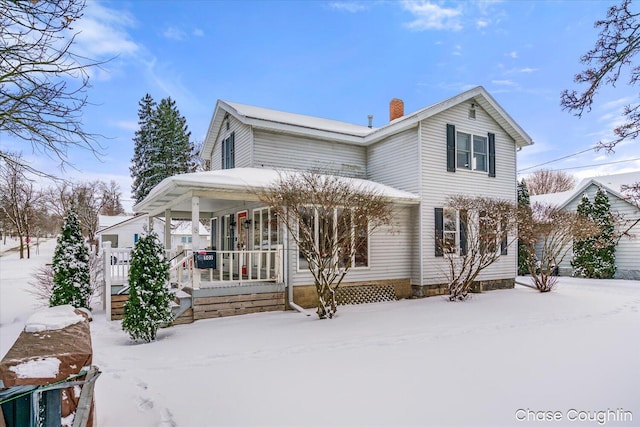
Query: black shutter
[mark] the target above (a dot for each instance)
(451, 148)
(463, 232)
(492, 155)
(439, 231)
(232, 151)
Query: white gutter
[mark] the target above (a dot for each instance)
(285, 238)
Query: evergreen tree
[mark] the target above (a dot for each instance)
(605, 260)
(524, 202)
(162, 146)
(584, 251)
(71, 280)
(148, 306)
(143, 142)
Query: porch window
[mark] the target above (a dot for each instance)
(229, 152)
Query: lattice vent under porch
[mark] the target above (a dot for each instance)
(364, 294)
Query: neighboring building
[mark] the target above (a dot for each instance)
(124, 231)
(626, 213)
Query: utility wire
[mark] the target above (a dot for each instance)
(557, 160)
(598, 164)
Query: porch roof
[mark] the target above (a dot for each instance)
(225, 188)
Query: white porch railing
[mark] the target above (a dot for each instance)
(231, 267)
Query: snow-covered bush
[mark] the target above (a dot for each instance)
(42, 283)
(148, 306)
(71, 279)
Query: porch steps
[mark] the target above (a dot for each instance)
(181, 308)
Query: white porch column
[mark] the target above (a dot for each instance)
(106, 291)
(195, 236)
(167, 229)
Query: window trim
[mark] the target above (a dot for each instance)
(316, 238)
(472, 158)
(228, 149)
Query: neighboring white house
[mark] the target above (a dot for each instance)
(628, 214)
(124, 231)
(466, 145)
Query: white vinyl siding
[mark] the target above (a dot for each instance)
(242, 144)
(280, 151)
(438, 183)
(394, 161)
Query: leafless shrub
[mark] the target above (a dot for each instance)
(330, 219)
(547, 233)
(486, 228)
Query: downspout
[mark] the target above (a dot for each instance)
(285, 239)
(420, 213)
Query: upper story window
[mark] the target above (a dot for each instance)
(229, 152)
(470, 151)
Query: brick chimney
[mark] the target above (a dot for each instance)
(396, 109)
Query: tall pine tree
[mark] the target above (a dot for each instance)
(584, 251)
(162, 146)
(524, 202)
(605, 264)
(71, 280)
(143, 142)
(148, 306)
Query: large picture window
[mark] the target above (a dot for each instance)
(326, 229)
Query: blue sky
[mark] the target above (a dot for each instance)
(342, 60)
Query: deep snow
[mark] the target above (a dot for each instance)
(412, 362)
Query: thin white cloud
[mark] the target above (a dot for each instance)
(431, 16)
(198, 32)
(527, 70)
(513, 54)
(129, 125)
(174, 33)
(616, 103)
(482, 23)
(457, 50)
(348, 6)
(103, 32)
(509, 83)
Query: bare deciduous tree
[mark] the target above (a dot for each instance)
(547, 181)
(487, 228)
(330, 219)
(632, 192)
(17, 200)
(111, 199)
(548, 233)
(42, 81)
(614, 50)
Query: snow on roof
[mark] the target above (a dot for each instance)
(53, 318)
(251, 111)
(613, 183)
(42, 367)
(553, 199)
(105, 221)
(184, 227)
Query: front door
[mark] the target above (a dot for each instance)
(243, 224)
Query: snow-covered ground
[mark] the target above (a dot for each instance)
(484, 362)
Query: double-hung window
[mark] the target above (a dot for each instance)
(471, 152)
(229, 152)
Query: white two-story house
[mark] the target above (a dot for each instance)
(463, 145)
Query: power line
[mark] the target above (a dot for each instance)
(558, 159)
(598, 164)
